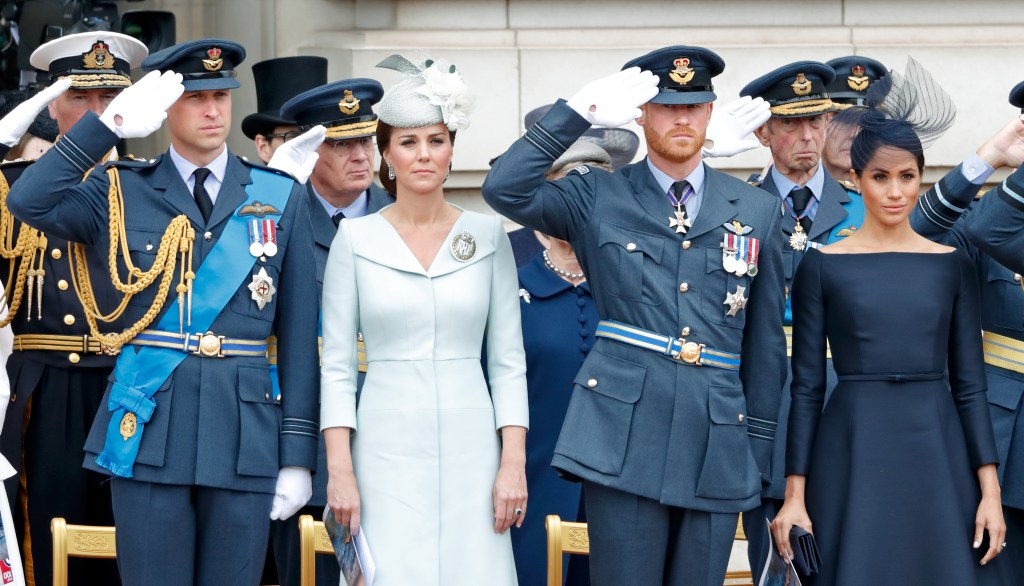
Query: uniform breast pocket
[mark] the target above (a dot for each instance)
(629, 255)
(259, 423)
(724, 295)
(257, 293)
(1002, 301)
(143, 246)
(729, 471)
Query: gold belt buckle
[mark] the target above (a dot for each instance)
(690, 353)
(209, 345)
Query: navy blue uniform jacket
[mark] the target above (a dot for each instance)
(217, 422)
(694, 437)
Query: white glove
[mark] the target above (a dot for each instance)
(615, 100)
(298, 156)
(294, 489)
(140, 110)
(17, 121)
(731, 125)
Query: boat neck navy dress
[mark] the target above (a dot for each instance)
(891, 459)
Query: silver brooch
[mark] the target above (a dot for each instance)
(525, 295)
(463, 246)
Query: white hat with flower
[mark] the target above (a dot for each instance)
(432, 92)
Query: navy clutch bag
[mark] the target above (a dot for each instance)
(806, 558)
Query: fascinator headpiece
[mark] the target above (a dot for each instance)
(431, 92)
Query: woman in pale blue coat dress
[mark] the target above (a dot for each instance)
(431, 462)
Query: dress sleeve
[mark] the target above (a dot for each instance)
(339, 369)
(967, 368)
(808, 361)
(506, 360)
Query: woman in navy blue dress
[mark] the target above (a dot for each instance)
(897, 471)
(559, 319)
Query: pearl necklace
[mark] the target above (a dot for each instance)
(560, 272)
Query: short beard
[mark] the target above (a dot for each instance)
(672, 152)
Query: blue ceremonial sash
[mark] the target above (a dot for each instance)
(140, 371)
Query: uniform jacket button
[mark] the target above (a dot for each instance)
(685, 332)
(62, 285)
(56, 253)
(208, 236)
(73, 358)
(741, 417)
(1016, 277)
(687, 244)
(684, 287)
(69, 319)
(631, 246)
(592, 383)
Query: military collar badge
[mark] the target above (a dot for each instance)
(98, 57)
(349, 104)
(463, 246)
(214, 63)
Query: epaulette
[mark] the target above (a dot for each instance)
(755, 180)
(131, 162)
(849, 186)
(263, 167)
(579, 170)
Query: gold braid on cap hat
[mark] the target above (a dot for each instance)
(804, 107)
(177, 239)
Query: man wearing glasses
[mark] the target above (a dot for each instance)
(340, 186)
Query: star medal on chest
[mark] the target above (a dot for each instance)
(736, 301)
(262, 237)
(678, 195)
(798, 239)
(463, 246)
(262, 287)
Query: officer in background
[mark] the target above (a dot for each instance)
(58, 373)
(685, 266)
(340, 186)
(854, 76)
(277, 81)
(201, 447)
(990, 231)
(816, 210)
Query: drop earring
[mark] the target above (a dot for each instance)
(391, 172)
(449, 174)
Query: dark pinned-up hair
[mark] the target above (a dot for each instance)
(907, 112)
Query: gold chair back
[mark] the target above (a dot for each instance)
(313, 540)
(564, 537)
(83, 541)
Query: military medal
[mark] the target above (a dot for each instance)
(262, 287)
(255, 238)
(754, 252)
(269, 237)
(679, 219)
(262, 238)
(798, 239)
(729, 253)
(463, 246)
(128, 425)
(736, 301)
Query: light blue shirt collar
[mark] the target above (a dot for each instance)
(218, 169)
(784, 185)
(356, 209)
(695, 178)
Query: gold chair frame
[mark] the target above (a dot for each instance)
(82, 541)
(313, 540)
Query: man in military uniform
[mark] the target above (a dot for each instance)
(669, 430)
(989, 230)
(340, 186)
(815, 210)
(57, 371)
(854, 76)
(202, 449)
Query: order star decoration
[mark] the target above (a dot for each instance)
(680, 222)
(262, 287)
(736, 301)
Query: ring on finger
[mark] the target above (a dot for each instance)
(518, 512)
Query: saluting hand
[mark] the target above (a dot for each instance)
(140, 110)
(730, 129)
(298, 156)
(16, 122)
(615, 100)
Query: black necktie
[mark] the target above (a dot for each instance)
(199, 192)
(338, 217)
(801, 196)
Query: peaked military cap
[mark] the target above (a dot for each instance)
(344, 107)
(94, 60)
(204, 64)
(794, 90)
(854, 75)
(277, 81)
(684, 73)
(1017, 96)
(620, 144)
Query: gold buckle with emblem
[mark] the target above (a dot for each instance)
(208, 344)
(689, 352)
